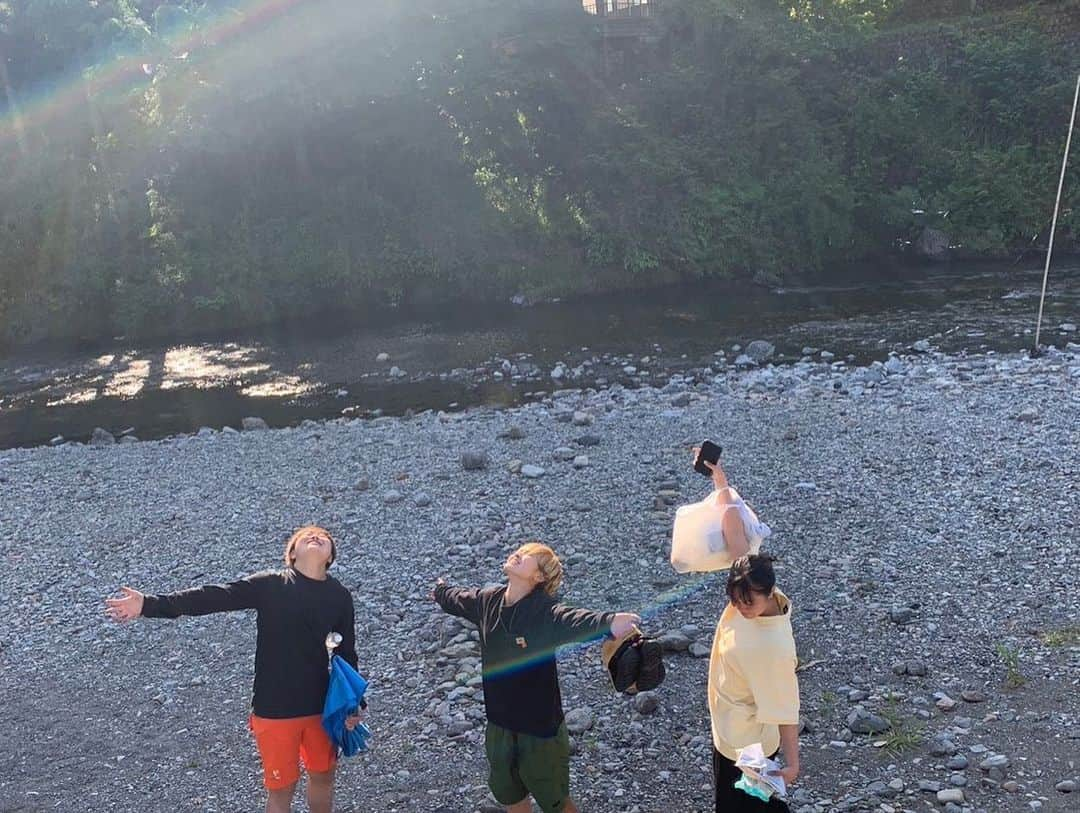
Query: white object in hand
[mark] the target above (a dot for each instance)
(697, 538)
(752, 761)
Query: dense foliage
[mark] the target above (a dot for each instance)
(168, 167)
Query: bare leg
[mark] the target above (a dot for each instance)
(280, 801)
(524, 806)
(320, 791)
(570, 807)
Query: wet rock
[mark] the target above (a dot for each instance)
(100, 437)
(760, 351)
(253, 424)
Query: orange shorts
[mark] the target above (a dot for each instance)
(283, 743)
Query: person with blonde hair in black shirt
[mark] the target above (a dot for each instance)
(521, 626)
(296, 608)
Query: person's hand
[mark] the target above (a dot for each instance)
(353, 720)
(127, 608)
(789, 773)
(623, 623)
(719, 478)
(439, 582)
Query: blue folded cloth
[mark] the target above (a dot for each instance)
(344, 696)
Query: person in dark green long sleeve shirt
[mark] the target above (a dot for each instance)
(521, 627)
(296, 607)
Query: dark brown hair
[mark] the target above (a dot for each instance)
(751, 574)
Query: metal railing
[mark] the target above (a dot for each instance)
(620, 8)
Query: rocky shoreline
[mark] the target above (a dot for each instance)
(926, 511)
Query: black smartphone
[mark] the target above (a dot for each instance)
(709, 452)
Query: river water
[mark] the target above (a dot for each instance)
(503, 354)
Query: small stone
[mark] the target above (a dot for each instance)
(513, 433)
(578, 721)
(916, 668)
(954, 795)
(901, 615)
(474, 461)
(699, 649)
(588, 440)
(1066, 786)
(382, 358)
(861, 721)
(973, 696)
(532, 471)
(253, 425)
(581, 461)
(674, 641)
(944, 702)
(957, 762)
(921, 346)
(682, 399)
(582, 419)
(363, 484)
(941, 746)
(646, 702)
(56, 441)
(1067, 327)
(514, 467)
(827, 356)
(392, 497)
(999, 761)
(422, 500)
(1028, 415)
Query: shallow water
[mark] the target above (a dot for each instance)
(453, 360)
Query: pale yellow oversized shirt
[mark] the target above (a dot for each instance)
(753, 689)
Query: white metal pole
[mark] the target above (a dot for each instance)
(1057, 206)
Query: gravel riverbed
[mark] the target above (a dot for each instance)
(926, 512)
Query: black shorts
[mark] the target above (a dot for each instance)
(729, 799)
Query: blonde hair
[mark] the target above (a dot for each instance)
(548, 562)
(300, 533)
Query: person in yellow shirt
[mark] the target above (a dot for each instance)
(753, 689)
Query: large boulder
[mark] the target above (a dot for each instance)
(933, 244)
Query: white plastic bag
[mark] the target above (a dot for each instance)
(697, 538)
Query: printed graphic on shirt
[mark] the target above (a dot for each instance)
(520, 641)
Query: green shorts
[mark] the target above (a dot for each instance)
(523, 765)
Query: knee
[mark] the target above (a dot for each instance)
(283, 793)
(321, 779)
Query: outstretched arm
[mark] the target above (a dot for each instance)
(575, 625)
(211, 598)
(458, 601)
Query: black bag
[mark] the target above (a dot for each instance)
(635, 663)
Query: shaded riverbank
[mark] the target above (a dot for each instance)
(504, 355)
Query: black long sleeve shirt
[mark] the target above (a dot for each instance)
(517, 648)
(295, 614)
